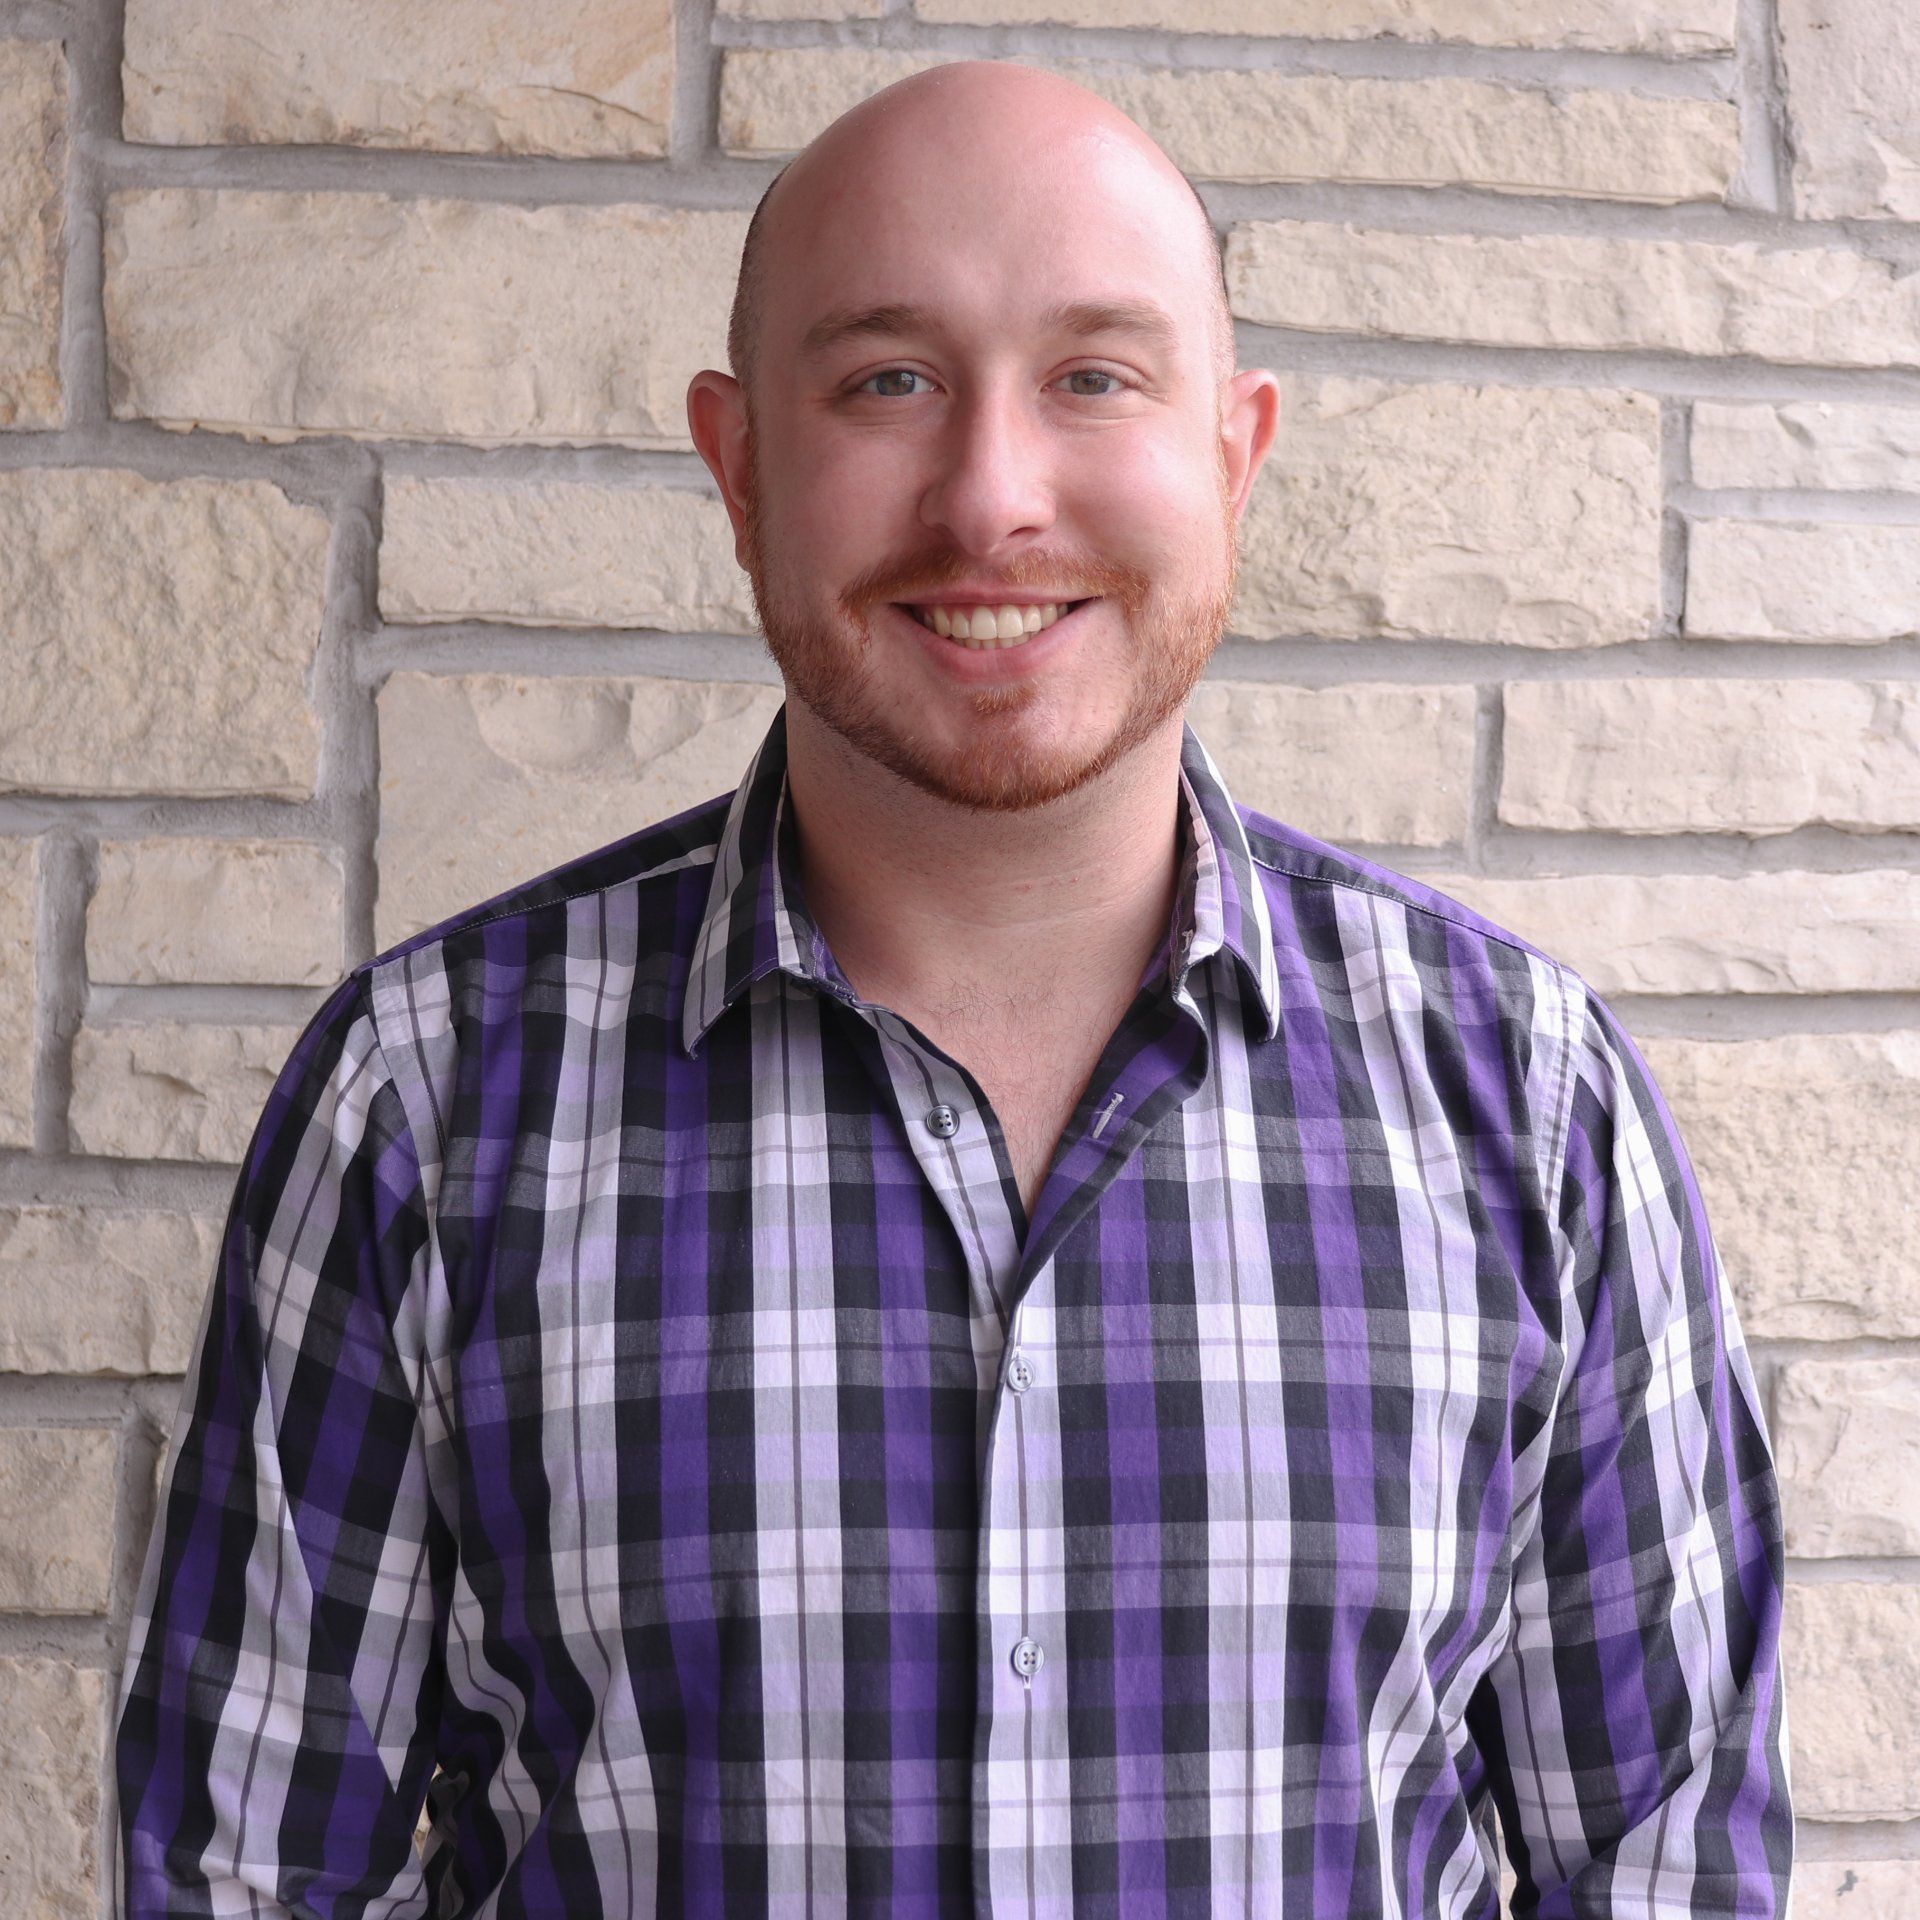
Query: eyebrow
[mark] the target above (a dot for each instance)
(1080, 318)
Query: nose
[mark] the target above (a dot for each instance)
(993, 481)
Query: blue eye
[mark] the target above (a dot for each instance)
(890, 373)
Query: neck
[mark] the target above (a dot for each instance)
(930, 905)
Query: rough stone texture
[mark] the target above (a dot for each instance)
(233, 912)
(1856, 1889)
(53, 1725)
(564, 554)
(1653, 26)
(1846, 1437)
(1819, 306)
(157, 634)
(1807, 1150)
(1806, 443)
(19, 988)
(33, 91)
(1529, 515)
(801, 9)
(1258, 126)
(1365, 763)
(1853, 1694)
(1712, 756)
(1698, 933)
(489, 779)
(56, 1518)
(86, 1290)
(1853, 107)
(168, 1090)
(490, 76)
(1774, 580)
(280, 314)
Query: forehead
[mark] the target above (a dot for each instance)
(979, 238)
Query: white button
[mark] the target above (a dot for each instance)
(1020, 1375)
(943, 1122)
(1026, 1658)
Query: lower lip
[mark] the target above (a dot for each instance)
(978, 665)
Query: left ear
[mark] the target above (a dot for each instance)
(1249, 424)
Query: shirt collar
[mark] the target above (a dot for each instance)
(756, 922)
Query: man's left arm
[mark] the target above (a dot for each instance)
(1634, 1725)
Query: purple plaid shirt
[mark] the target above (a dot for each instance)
(635, 1415)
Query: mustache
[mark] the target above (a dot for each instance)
(1074, 576)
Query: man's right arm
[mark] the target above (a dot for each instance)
(282, 1691)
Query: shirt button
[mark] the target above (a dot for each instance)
(1027, 1658)
(942, 1122)
(1020, 1375)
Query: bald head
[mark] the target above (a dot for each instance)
(927, 128)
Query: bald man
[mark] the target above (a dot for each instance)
(971, 1329)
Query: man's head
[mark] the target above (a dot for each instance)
(982, 355)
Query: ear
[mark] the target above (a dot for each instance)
(1249, 423)
(717, 419)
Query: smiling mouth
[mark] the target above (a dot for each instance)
(984, 627)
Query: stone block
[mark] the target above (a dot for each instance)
(172, 1090)
(158, 635)
(490, 779)
(19, 988)
(56, 1518)
(1807, 1150)
(53, 1730)
(1526, 515)
(236, 912)
(33, 178)
(1810, 305)
(1853, 1699)
(1784, 932)
(1826, 444)
(1219, 124)
(276, 315)
(1712, 756)
(1775, 580)
(561, 554)
(87, 1289)
(1381, 764)
(574, 77)
(1856, 1889)
(1846, 1437)
(1638, 26)
(1852, 70)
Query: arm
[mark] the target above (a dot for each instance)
(1634, 1724)
(281, 1696)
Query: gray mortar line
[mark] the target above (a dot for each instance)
(92, 36)
(1674, 474)
(68, 869)
(1853, 1842)
(1704, 76)
(347, 791)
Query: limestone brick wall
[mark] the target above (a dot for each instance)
(354, 563)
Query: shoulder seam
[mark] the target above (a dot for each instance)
(1356, 885)
(377, 962)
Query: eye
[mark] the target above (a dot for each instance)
(890, 373)
(1114, 382)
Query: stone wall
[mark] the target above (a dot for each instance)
(354, 563)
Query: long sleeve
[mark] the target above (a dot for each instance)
(1634, 1724)
(280, 1702)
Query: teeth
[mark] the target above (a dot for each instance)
(984, 627)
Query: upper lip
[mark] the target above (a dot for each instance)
(988, 597)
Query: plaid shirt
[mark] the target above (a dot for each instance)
(635, 1414)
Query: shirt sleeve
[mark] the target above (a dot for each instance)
(280, 1702)
(1634, 1724)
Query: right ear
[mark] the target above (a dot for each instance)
(717, 419)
